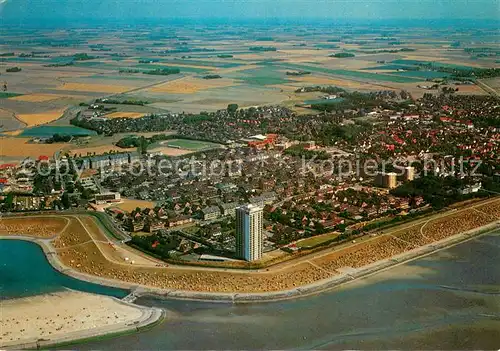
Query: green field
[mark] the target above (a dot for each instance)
(353, 74)
(316, 240)
(433, 63)
(195, 145)
(422, 74)
(6, 95)
(125, 76)
(266, 75)
(203, 63)
(387, 67)
(150, 66)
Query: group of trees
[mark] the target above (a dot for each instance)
(129, 70)
(437, 191)
(386, 51)
(298, 73)
(122, 102)
(332, 132)
(62, 64)
(462, 73)
(232, 108)
(327, 90)
(262, 48)
(158, 245)
(163, 71)
(342, 55)
(83, 57)
(299, 151)
(212, 76)
(141, 143)
(357, 100)
(59, 138)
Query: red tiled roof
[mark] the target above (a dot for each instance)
(7, 165)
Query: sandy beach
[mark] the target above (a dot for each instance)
(65, 316)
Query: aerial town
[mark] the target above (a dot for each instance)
(317, 178)
(159, 180)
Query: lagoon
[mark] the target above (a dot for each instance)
(25, 271)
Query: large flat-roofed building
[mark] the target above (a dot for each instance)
(249, 232)
(107, 197)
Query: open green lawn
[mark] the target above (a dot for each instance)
(6, 95)
(265, 75)
(191, 144)
(434, 63)
(316, 240)
(150, 66)
(208, 63)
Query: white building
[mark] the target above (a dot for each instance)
(107, 197)
(249, 233)
(409, 173)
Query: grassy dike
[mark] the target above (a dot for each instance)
(251, 290)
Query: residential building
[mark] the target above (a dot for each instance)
(107, 197)
(386, 180)
(409, 174)
(229, 209)
(179, 220)
(152, 225)
(210, 213)
(135, 225)
(249, 232)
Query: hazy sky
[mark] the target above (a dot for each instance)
(24, 10)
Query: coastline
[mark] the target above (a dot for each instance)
(300, 291)
(80, 316)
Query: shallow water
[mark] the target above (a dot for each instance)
(448, 300)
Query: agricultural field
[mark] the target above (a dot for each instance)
(190, 85)
(129, 205)
(17, 148)
(40, 97)
(172, 72)
(35, 119)
(124, 115)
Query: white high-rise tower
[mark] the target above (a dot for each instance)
(249, 235)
